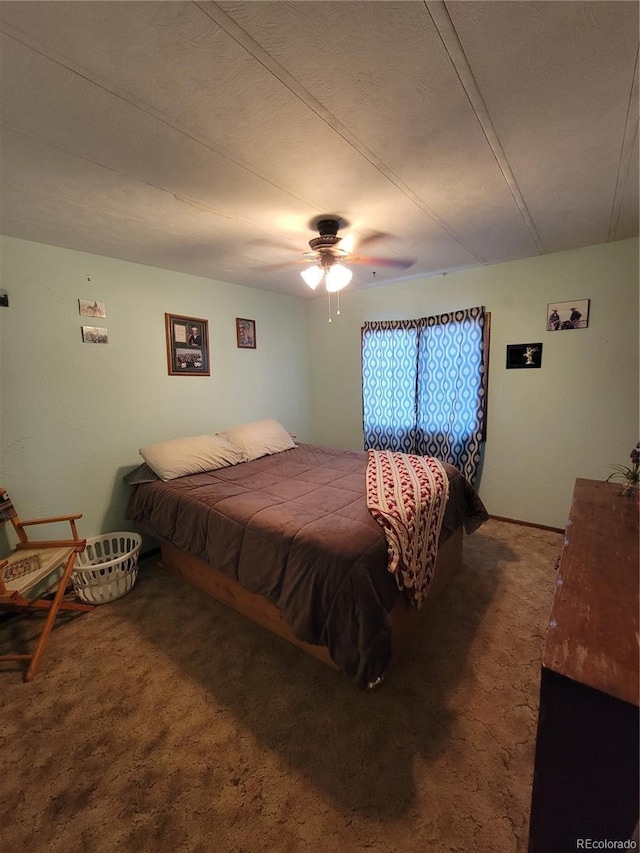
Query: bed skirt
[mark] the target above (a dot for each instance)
(261, 611)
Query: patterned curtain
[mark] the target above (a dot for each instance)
(423, 387)
(389, 379)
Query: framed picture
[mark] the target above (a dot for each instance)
(91, 308)
(94, 335)
(527, 356)
(246, 333)
(187, 345)
(568, 315)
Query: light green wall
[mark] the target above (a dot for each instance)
(572, 418)
(73, 415)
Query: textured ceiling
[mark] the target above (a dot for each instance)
(205, 137)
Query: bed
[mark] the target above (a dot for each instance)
(287, 540)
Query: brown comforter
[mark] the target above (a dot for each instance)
(295, 528)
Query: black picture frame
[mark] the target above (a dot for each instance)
(524, 356)
(245, 333)
(187, 345)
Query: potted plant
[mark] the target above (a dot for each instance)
(630, 475)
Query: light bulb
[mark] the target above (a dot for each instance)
(338, 277)
(312, 276)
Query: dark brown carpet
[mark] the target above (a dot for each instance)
(165, 722)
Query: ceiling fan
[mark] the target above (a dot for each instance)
(327, 255)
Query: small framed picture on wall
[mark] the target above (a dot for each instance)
(92, 308)
(524, 356)
(187, 345)
(568, 315)
(94, 335)
(246, 333)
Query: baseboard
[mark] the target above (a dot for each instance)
(527, 523)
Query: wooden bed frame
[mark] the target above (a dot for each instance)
(257, 608)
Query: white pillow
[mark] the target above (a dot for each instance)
(181, 456)
(260, 438)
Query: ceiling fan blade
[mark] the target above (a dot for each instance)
(372, 238)
(399, 263)
(285, 265)
(348, 243)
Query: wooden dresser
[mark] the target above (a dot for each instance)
(585, 782)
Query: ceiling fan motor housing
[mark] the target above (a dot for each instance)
(328, 239)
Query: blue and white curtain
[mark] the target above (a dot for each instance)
(423, 387)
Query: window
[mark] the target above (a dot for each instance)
(424, 386)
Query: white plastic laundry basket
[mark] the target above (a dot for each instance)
(107, 568)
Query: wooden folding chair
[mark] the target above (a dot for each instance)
(34, 569)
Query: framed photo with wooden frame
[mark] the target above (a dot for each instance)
(246, 333)
(187, 345)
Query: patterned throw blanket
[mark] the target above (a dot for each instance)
(407, 496)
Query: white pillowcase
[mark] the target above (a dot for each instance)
(181, 456)
(260, 438)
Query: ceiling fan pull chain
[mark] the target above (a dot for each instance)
(338, 299)
(329, 298)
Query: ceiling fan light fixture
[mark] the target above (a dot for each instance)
(312, 276)
(337, 277)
